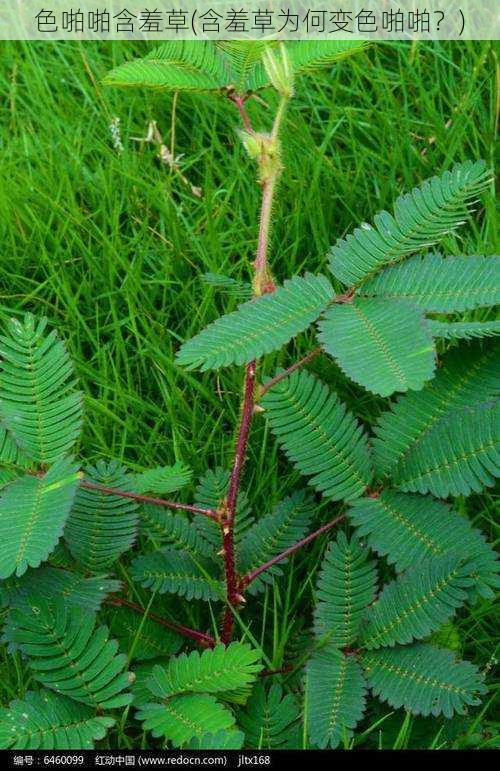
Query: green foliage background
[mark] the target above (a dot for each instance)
(110, 246)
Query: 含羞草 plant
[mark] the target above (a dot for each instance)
(95, 648)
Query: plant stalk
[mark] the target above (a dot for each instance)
(239, 101)
(241, 443)
(262, 283)
(210, 513)
(283, 375)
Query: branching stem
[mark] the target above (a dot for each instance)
(262, 283)
(239, 101)
(283, 375)
(210, 513)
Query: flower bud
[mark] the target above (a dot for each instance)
(279, 70)
(252, 142)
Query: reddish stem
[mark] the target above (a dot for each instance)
(261, 284)
(227, 626)
(241, 443)
(231, 582)
(282, 375)
(227, 524)
(210, 513)
(206, 640)
(291, 549)
(239, 101)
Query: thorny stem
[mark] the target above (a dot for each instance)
(227, 524)
(261, 284)
(206, 640)
(246, 580)
(210, 513)
(241, 443)
(282, 375)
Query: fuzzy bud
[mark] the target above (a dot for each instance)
(251, 142)
(279, 70)
(257, 145)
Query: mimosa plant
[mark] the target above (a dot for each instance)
(379, 313)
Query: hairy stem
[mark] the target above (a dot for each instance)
(261, 279)
(210, 513)
(246, 580)
(206, 640)
(232, 591)
(261, 284)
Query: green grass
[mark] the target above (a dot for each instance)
(110, 246)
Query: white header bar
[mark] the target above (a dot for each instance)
(223, 20)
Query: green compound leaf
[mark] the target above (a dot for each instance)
(319, 435)
(335, 696)
(176, 572)
(463, 330)
(418, 602)
(164, 479)
(223, 668)
(175, 529)
(409, 528)
(271, 719)
(259, 326)
(73, 589)
(220, 740)
(34, 510)
(383, 345)
(421, 218)
(423, 679)
(200, 66)
(456, 457)
(184, 718)
(68, 653)
(287, 524)
(101, 526)
(176, 65)
(38, 402)
(346, 586)
(245, 58)
(49, 721)
(311, 55)
(439, 284)
(468, 376)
